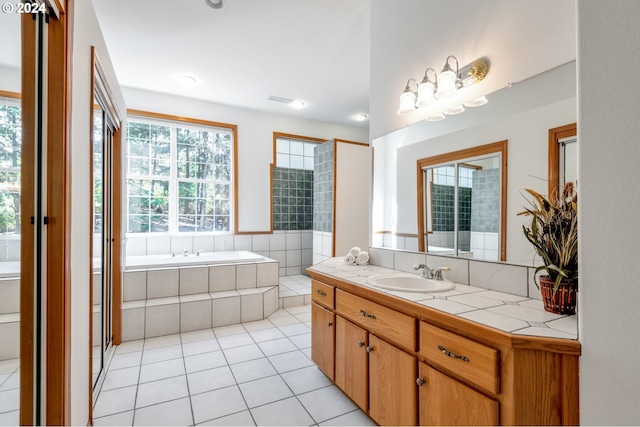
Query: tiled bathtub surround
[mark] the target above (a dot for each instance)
(172, 300)
(498, 295)
(9, 318)
(292, 249)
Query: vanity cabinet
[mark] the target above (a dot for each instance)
(392, 386)
(377, 376)
(445, 401)
(407, 364)
(352, 362)
(323, 339)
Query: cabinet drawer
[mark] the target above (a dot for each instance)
(385, 322)
(322, 294)
(468, 359)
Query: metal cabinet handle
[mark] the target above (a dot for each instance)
(452, 355)
(369, 349)
(329, 324)
(420, 382)
(319, 292)
(361, 344)
(365, 314)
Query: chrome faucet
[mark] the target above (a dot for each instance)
(185, 253)
(431, 273)
(173, 254)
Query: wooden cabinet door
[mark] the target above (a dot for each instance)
(323, 339)
(393, 395)
(445, 401)
(352, 362)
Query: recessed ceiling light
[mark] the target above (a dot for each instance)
(361, 117)
(215, 4)
(187, 80)
(297, 104)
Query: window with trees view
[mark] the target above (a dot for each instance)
(179, 177)
(10, 160)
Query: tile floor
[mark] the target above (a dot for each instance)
(257, 373)
(9, 392)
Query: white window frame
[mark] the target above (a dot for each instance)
(174, 180)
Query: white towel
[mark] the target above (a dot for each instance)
(355, 251)
(350, 259)
(363, 258)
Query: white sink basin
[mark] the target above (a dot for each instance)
(409, 283)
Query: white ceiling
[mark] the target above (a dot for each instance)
(313, 50)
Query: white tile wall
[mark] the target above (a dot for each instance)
(135, 285)
(9, 296)
(251, 305)
(499, 276)
(10, 337)
(225, 309)
(162, 283)
(293, 240)
(133, 317)
(194, 280)
(246, 276)
(222, 278)
(459, 272)
(136, 246)
(267, 274)
(157, 245)
(277, 242)
(404, 261)
(163, 318)
(195, 312)
(179, 244)
(203, 243)
(260, 243)
(242, 242)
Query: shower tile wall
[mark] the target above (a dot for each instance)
(323, 201)
(292, 199)
(485, 214)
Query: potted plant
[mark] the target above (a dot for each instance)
(553, 232)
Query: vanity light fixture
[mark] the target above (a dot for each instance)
(443, 86)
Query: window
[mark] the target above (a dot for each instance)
(179, 176)
(10, 161)
(294, 153)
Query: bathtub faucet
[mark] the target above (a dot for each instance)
(185, 253)
(173, 254)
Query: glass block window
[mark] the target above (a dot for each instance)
(294, 153)
(179, 177)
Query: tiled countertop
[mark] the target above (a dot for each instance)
(506, 312)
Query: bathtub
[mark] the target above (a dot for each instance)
(206, 258)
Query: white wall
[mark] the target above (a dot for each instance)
(255, 144)
(10, 78)
(86, 32)
(609, 202)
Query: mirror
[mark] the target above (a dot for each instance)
(522, 114)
